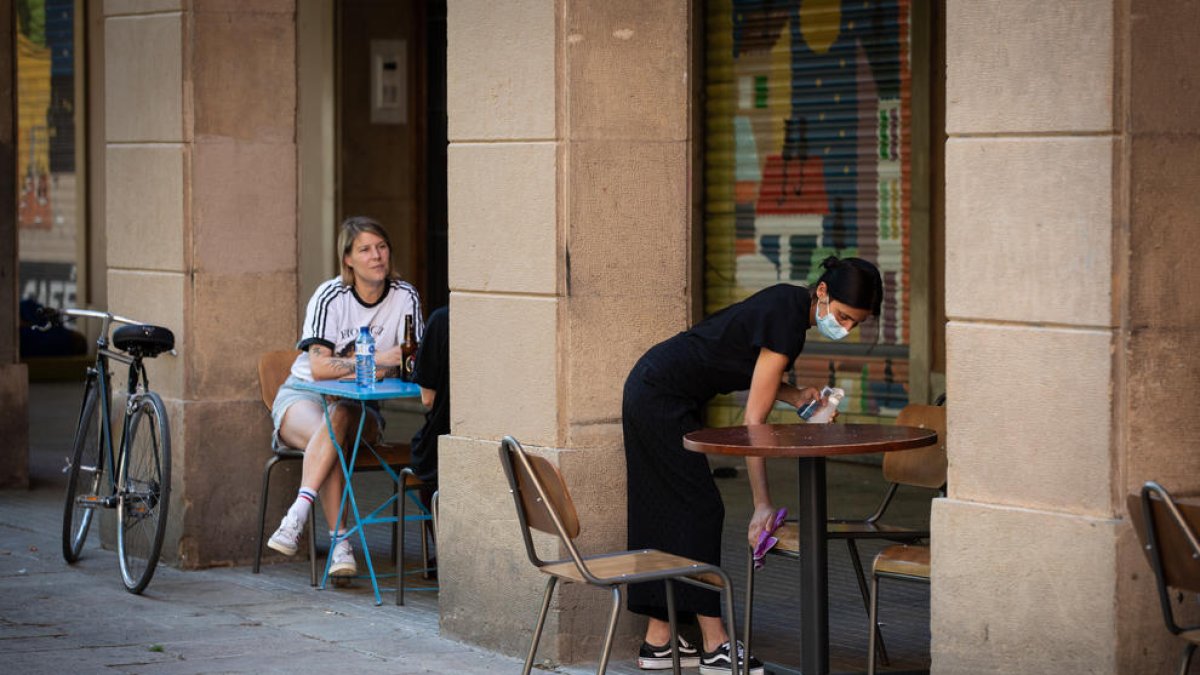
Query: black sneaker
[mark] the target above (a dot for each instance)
(717, 662)
(659, 658)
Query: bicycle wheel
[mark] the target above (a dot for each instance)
(85, 474)
(144, 490)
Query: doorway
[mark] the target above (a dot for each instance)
(372, 76)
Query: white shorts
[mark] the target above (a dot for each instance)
(288, 394)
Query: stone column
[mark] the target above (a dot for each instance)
(1072, 341)
(201, 198)
(570, 236)
(14, 379)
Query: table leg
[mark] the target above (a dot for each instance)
(814, 579)
(349, 499)
(358, 520)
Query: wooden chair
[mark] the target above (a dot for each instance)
(544, 503)
(908, 562)
(1167, 529)
(920, 467)
(273, 370)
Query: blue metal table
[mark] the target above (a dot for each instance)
(389, 388)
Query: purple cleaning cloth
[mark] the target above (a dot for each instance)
(766, 538)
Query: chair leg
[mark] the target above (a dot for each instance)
(749, 600)
(433, 508)
(862, 588)
(429, 532)
(674, 626)
(612, 630)
(872, 627)
(424, 549)
(262, 510)
(541, 621)
(730, 627)
(1188, 651)
(396, 497)
(398, 538)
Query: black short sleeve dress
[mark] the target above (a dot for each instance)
(673, 503)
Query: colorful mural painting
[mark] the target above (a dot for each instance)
(808, 155)
(33, 140)
(48, 200)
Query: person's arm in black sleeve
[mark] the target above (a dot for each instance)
(432, 355)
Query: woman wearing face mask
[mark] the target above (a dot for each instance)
(673, 503)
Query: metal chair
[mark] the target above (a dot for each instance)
(273, 369)
(920, 467)
(1167, 528)
(426, 516)
(544, 503)
(899, 561)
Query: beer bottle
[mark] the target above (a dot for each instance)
(408, 349)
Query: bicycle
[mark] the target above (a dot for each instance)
(141, 462)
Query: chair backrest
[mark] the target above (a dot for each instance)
(922, 467)
(1167, 529)
(540, 496)
(273, 370)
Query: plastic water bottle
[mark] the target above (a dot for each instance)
(364, 359)
(822, 409)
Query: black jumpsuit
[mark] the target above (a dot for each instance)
(673, 503)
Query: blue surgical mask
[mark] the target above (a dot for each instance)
(828, 325)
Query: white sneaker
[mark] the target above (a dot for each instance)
(342, 560)
(287, 537)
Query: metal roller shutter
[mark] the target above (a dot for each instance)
(808, 154)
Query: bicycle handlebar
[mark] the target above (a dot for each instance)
(53, 316)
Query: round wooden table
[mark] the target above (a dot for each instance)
(810, 444)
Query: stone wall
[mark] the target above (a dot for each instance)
(571, 232)
(1066, 230)
(201, 221)
(14, 379)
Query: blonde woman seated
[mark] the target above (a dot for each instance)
(366, 294)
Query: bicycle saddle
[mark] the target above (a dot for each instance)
(144, 340)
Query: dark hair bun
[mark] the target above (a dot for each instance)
(854, 281)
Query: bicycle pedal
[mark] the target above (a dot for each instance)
(96, 502)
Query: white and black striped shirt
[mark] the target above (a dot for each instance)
(335, 313)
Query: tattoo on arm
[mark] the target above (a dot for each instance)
(342, 366)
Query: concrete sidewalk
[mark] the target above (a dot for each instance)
(56, 618)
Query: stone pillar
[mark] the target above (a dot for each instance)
(201, 212)
(1158, 345)
(14, 379)
(1072, 335)
(570, 254)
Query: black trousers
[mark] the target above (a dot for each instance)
(673, 503)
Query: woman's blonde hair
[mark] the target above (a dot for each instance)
(351, 228)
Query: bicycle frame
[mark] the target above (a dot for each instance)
(137, 383)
